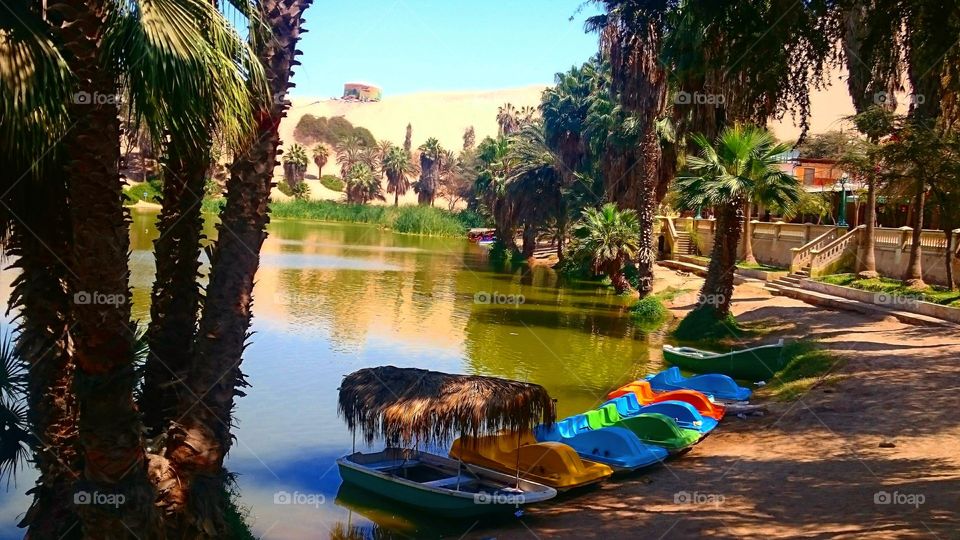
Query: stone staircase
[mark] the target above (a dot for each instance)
(790, 281)
(684, 244)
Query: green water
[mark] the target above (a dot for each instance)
(334, 298)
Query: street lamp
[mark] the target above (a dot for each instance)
(842, 222)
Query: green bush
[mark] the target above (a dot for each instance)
(285, 188)
(649, 312)
(212, 205)
(149, 191)
(332, 131)
(332, 182)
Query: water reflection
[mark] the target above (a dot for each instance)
(333, 298)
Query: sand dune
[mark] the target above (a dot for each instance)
(445, 115)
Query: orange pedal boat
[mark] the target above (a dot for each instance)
(646, 395)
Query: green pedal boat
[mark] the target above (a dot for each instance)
(437, 484)
(651, 428)
(754, 364)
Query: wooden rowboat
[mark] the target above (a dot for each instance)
(438, 484)
(753, 364)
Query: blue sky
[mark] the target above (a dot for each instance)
(439, 45)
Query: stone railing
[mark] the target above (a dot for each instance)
(791, 245)
(823, 259)
(803, 255)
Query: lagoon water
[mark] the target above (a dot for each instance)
(334, 298)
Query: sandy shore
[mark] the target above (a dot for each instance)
(814, 467)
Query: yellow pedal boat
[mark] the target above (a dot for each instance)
(549, 463)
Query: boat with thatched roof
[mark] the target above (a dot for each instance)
(411, 407)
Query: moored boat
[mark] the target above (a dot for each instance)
(407, 406)
(645, 395)
(753, 364)
(435, 483)
(684, 414)
(615, 447)
(719, 386)
(549, 463)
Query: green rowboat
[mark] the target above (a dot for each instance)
(755, 364)
(437, 484)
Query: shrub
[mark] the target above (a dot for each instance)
(702, 324)
(301, 191)
(649, 312)
(311, 129)
(149, 191)
(332, 182)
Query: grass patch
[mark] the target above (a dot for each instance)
(332, 183)
(893, 287)
(760, 266)
(808, 366)
(422, 220)
(672, 293)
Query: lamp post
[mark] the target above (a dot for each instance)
(842, 222)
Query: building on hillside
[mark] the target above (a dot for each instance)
(361, 91)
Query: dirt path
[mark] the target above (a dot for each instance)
(813, 468)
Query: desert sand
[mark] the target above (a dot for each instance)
(872, 455)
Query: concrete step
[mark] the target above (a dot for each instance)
(836, 302)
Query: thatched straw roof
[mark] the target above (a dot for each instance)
(405, 405)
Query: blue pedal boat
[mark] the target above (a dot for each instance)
(616, 447)
(685, 415)
(717, 385)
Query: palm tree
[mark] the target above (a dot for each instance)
(507, 119)
(294, 165)
(743, 162)
(431, 157)
(469, 139)
(534, 187)
(352, 151)
(199, 441)
(408, 139)
(609, 238)
(631, 36)
(320, 156)
(398, 167)
(494, 166)
(362, 185)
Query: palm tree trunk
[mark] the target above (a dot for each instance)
(649, 169)
(175, 299)
(717, 291)
(951, 249)
(868, 260)
(913, 276)
(110, 430)
(748, 256)
(396, 197)
(198, 444)
(39, 245)
(529, 240)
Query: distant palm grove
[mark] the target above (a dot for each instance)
(670, 115)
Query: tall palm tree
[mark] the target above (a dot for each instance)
(534, 187)
(631, 36)
(206, 117)
(494, 166)
(408, 139)
(431, 158)
(609, 238)
(398, 167)
(200, 440)
(362, 185)
(352, 151)
(743, 161)
(507, 119)
(320, 156)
